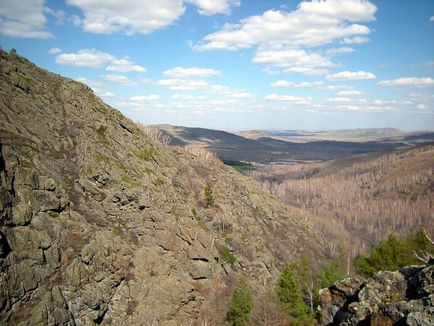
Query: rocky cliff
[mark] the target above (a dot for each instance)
(404, 297)
(101, 225)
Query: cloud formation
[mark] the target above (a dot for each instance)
(128, 16)
(408, 82)
(23, 19)
(313, 23)
(351, 75)
(90, 58)
(293, 60)
(124, 65)
(194, 72)
(212, 7)
(120, 79)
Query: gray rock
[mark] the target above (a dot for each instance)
(385, 299)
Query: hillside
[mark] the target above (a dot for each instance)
(369, 195)
(270, 147)
(102, 225)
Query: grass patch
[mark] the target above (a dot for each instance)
(129, 181)
(240, 166)
(146, 154)
(158, 182)
(101, 109)
(102, 158)
(227, 256)
(101, 133)
(149, 171)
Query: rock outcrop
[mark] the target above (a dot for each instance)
(101, 225)
(404, 297)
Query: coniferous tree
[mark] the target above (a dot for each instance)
(240, 305)
(290, 295)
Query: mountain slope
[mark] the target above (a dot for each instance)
(269, 148)
(101, 225)
(369, 195)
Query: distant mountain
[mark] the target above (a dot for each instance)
(272, 146)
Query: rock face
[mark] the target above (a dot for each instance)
(101, 225)
(404, 297)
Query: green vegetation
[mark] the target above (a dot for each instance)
(101, 133)
(393, 253)
(158, 182)
(149, 171)
(329, 274)
(238, 165)
(240, 305)
(209, 199)
(129, 181)
(102, 158)
(290, 295)
(227, 256)
(146, 154)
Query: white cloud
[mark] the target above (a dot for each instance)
(90, 58)
(408, 82)
(355, 40)
(59, 15)
(293, 60)
(351, 75)
(340, 100)
(23, 19)
(311, 24)
(120, 79)
(229, 92)
(144, 98)
(288, 98)
(349, 93)
(334, 51)
(194, 72)
(187, 97)
(124, 65)
(54, 51)
(183, 84)
(289, 84)
(106, 94)
(431, 19)
(128, 16)
(212, 7)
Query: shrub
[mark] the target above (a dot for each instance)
(101, 133)
(290, 295)
(240, 305)
(209, 199)
(227, 256)
(393, 253)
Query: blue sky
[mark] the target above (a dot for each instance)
(240, 64)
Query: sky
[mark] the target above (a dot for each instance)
(240, 64)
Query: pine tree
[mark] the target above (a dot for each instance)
(240, 305)
(290, 295)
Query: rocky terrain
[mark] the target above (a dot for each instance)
(403, 297)
(101, 225)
